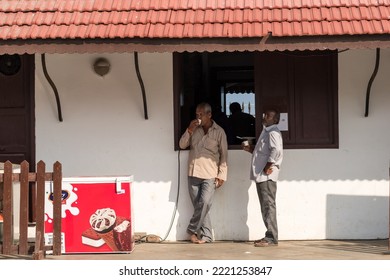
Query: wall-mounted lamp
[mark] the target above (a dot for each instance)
(101, 66)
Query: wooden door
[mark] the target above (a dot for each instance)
(17, 123)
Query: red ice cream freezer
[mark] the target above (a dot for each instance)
(96, 215)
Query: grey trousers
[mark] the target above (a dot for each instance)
(267, 196)
(201, 193)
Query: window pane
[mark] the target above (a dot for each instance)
(241, 113)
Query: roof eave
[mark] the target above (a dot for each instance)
(162, 45)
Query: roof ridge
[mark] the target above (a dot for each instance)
(42, 18)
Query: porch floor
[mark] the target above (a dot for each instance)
(230, 250)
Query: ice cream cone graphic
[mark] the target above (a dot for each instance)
(123, 234)
(103, 222)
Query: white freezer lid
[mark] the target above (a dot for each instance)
(118, 180)
(98, 179)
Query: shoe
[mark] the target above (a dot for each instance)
(265, 243)
(258, 240)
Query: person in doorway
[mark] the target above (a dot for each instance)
(242, 124)
(207, 169)
(221, 119)
(267, 158)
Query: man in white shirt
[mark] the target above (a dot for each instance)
(267, 157)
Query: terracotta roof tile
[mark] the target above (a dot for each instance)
(217, 29)
(209, 16)
(199, 16)
(178, 29)
(386, 26)
(8, 32)
(375, 13)
(85, 19)
(119, 31)
(178, 17)
(169, 30)
(385, 13)
(219, 15)
(357, 27)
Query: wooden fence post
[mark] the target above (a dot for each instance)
(7, 209)
(24, 205)
(57, 205)
(40, 210)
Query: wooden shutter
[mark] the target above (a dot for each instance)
(304, 85)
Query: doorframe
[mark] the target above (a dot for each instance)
(29, 88)
(30, 67)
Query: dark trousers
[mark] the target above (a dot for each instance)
(267, 196)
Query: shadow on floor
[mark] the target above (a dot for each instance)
(359, 246)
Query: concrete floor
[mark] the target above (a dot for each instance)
(308, 260)
(229, 250)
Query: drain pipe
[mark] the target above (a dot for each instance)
(53, 86)
(378, 50)
(389, 216)
(388, 241)
(141, 84)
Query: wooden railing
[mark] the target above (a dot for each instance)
(22, 246)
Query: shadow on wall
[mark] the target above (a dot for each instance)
(229, 221)
(229, 211)
(354, 217)
(231, 207)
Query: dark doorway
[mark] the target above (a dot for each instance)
(17, 121)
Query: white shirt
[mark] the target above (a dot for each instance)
(269, 148)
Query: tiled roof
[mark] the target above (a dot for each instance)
(184, 19)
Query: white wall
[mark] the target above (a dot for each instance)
(326, 193)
